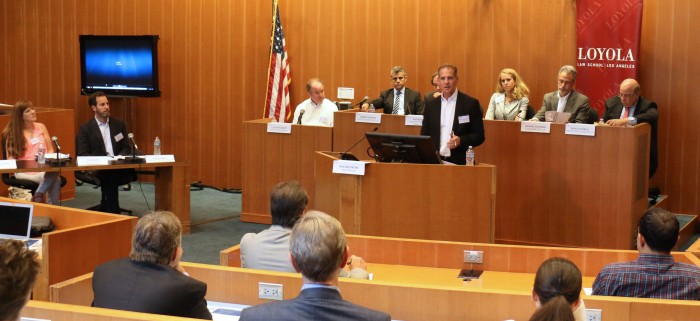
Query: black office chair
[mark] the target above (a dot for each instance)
(530, 112)
(91, 178)
(592, 116)
(21, 183)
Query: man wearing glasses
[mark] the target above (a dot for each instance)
(565, 99)
(629, 108)
(399, 100)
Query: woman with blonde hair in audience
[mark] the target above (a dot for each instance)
(510, 100)
(557, 292)
(22, 137)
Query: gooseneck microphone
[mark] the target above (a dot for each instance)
(301, 113)
(131, 137)
(54, 139)
(346, 156)
(364, 100)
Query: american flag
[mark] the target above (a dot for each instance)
(277, 100)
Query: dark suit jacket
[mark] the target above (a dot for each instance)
(470, 134)
(151, 288)
(577, 105)
(317, 304)
(412, 102)
(645, 112)
(89, 140)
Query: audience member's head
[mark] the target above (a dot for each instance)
(287, 203)
(157, 238)
(318, 247)
(557, 290)
(658, 231)
(518, 86)
(18, 270)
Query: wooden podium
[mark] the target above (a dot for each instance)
(347, 132)
(269, 158)
(564, 190)
(434, 202)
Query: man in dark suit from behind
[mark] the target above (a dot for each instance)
(319, 251)
(105, 136)
(454, 121)
(399, 100)
(629, 108)
(151, 279)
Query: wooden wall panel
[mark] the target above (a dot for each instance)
(214, 54)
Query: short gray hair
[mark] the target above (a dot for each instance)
(396, 70)
(156, 238)
(317, 246)
(311, 82)
(569, 69)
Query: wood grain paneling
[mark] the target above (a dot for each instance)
(214, 54)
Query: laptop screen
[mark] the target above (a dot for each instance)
(15, 220)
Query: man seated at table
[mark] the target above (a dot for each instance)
(18, 270)
(151, 280)
(105, 136)
(398, 100)
(269, 249)
(654, 274)
(319, 251)
(565, 99)
(317, 110)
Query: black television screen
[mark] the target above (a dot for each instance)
(397, 148)
(119, 65)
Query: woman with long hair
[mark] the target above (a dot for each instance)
(23, 136)
(557, 292)
(510, 100)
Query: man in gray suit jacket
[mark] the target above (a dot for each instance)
(399, 100)
(319, 251)
(565, 99)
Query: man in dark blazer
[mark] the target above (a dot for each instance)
(409, 101)
(629, 108)
(319, 251)
(573, 102)
(465, 125)
(151, 280)
(91, 142)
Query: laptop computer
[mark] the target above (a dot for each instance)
(16, 220)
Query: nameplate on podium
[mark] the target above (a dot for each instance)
(349, 167)
(160, 159)
(370, 118)
(8, 164)
(92, 160)
(414, 120)
(279, 128)
(535, 127)
(580, 129)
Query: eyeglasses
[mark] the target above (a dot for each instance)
(626, 95)
(397, 78)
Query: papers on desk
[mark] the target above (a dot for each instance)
(8, 164)
(221, 311)
(93, 160)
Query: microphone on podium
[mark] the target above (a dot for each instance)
(364, 100)
(54, 139)
(301, 113)
(346, 156)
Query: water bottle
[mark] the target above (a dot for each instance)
(41, 154)
(156, 146)
(602, 121)
(371, 108)
(470, 156)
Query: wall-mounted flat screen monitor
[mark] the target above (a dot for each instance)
(119, 65)
(397, 148)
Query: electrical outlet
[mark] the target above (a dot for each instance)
(270, 291)
(594, 315)
(474, 257)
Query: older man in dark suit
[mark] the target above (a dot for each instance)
(566, 99)
(454, 121)
(629, 108)
(399, 100)
(105, 136)
(319, 251)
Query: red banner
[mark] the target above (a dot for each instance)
(607, 44)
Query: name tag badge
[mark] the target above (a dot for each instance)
(118, 137)
(324, 120)
(34, 141)
(463, 119)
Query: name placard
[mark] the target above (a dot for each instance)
(349, 167)
(8, 164)
(414, 120)
(535, 127)
(160, 158)
(371, 118)
(92, 160)
(580, 129)
(279, 128)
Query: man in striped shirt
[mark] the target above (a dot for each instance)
(654, 274)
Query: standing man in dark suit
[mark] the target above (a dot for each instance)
(399, 100)
(629, 108)
(319, 251)
(151, 280)
(565, 99)
(105, 136)
(454, 121)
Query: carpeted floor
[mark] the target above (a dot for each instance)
(215, 217)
